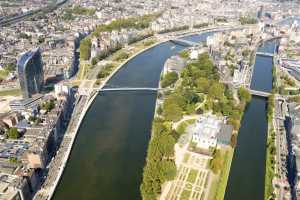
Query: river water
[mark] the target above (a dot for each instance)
(109, 153)
(247, 174)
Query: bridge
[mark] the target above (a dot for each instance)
(184, 42)
(264, 54)
(259, 93)
(128, 89)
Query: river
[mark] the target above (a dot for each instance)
(247, 174)
(110, 149)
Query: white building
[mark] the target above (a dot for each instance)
(205, 131)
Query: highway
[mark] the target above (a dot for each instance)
(15, 19)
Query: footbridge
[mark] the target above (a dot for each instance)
(259, 93)
(128, 89)
(264, 54)
(184, 42)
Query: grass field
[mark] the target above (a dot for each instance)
(218, 187)
(13, 92)
(185, 195)
(3, 74)
(192, 176)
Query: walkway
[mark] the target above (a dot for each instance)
(184, 42)
(128, 89)
(259, 93)
(264, 54)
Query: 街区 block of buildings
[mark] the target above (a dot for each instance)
(231, 53)
(30, 136)
(59, 57)
(294, 145)
(289, 50)
(107, 41)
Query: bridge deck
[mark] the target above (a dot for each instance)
(184, 42)
(264, 54)
(259, 93)
(128, 89)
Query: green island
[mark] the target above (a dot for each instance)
(194, 91)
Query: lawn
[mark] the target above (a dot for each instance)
(83, 69)
(120, 55)
(192, 176)
(219, 184)
(13, 92)
(186, 157)
(3, 74)
(185, 195)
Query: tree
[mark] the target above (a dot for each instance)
(247, 20)
(159, 110)
(10, 67)
(94, 61)
(202, 85)
(172, 112)
(13, 133)
(217, 162)
(216, 91)
(41, 39)
(244, 95)
(184, 54)
(176, 98)
(169, 79)
(48, 105)
(235, 123)
(167, 143)
(233, 140)
(190, 96)
(246, 52)
(168, 170)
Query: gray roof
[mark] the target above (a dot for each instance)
(225, 133)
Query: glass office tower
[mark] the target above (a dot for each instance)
(30, 71)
